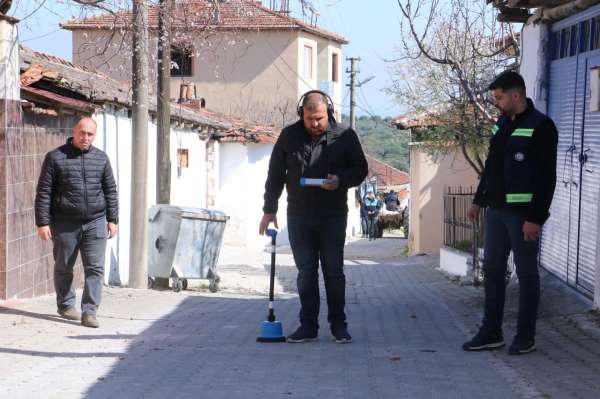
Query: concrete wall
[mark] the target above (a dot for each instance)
(242, 175)
(257, 75)
(429, 178)
(534, 63)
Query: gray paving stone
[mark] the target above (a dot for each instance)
(407, 319)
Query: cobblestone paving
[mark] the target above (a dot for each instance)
(408, 321)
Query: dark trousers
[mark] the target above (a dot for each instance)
(503, 233)
(372, 223)
(89, 239)
(364, 225)
(315, 239)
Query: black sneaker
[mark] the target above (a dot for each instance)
(303, 334)
(340, 335)
(484, 340)
(521, 347)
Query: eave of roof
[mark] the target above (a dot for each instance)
(34, 93)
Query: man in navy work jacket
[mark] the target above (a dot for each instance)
(76, 207)
(316, 147)
(517, 187)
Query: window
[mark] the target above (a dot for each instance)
(182, 158)
(595, 33)
(556, 45)
(584, 44)
(307, 71)
(565, 43)
(574, 46)
(334, 67)
(181, 62)
(576, 39)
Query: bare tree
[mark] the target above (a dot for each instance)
(449, 53)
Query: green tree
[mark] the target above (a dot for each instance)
(449, 53)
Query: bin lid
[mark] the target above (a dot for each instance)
(187, 212)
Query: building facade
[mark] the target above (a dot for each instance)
(237, 57)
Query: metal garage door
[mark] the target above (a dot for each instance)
(570, 236)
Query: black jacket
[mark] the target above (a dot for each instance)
(521, 164)
(77, 185)
(295, 155)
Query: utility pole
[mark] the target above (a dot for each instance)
(352, 71)
(138, 258)
(163, 159)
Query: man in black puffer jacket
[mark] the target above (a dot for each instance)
(76, 206)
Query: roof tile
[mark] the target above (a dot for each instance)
(203, 14)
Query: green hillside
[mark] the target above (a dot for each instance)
(383, 141)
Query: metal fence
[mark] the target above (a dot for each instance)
(459, 232)
(462, 234)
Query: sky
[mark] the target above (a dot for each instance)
(373, 28)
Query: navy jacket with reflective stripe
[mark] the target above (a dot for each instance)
(520, 171)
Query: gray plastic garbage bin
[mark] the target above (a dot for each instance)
(184, 244)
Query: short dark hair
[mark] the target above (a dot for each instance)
(508, 80)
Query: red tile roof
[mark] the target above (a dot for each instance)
(386, 174)
(97, 89)
(203, 14)
(415, 120)
(240, 131)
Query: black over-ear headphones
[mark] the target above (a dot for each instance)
(330, 110)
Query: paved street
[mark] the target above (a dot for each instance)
(408, 321)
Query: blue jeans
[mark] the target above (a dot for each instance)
(503, 233)
(315, 239)
(89, 239)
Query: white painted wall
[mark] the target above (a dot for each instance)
(242, 175)
(187, 189)
(529, 65)
(9, 61)
(454, 262)
(243, 172)
(188, 185)
(534, 63)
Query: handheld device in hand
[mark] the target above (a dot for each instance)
(307, 182)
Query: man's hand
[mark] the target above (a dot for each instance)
(531, 231)
(113, 230)
(474, 212)
(331, 183)
(265, 221)
(44, 233)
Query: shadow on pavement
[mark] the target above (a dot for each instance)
(41, 316)
(103, 336)
(58, 354)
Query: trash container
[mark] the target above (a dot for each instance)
(184, 244)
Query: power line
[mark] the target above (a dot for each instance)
(362, 94)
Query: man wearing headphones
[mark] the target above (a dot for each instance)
(317, 160)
